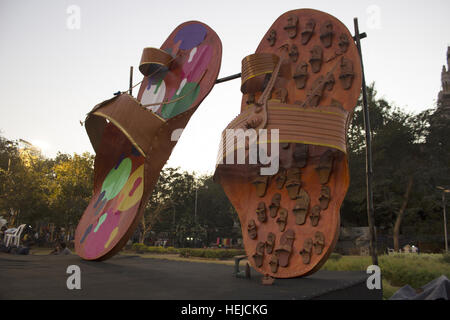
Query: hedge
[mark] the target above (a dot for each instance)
(211, 253)
(189, 252)
(142, 248)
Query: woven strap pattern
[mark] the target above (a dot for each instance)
(256, 65)
(326, 126)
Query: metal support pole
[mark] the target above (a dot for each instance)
(131, 81)
(195, 211)
(445, 221)
(369, 170)
(232, 77)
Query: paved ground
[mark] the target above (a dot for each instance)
(132, 277)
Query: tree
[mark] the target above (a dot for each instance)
(399, 162)
(58, 190)
(170, 200)
(70, 188)
(172, 209)
(215, 212)
(24, 183)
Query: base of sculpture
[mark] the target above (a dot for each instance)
(127, 277)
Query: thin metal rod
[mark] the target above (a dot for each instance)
(361, 36)
(232, 77)
(131, 81)
(445, 221)
(195, 210)
(369, 169)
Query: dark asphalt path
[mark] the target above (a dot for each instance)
(129, 277)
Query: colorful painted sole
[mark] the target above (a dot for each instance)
(133, 138)
(304, 81)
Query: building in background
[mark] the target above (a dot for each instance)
(443, 102)
(28, 152)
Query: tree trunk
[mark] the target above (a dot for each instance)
(146, 226)
(401, 213)
(142, 235)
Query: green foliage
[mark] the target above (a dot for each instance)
(24, 183)
(71, 187)
(41, 190)
(446, 257)
(139, 247)
(142, 248)
(348, 263)
(415, 270)
(405, 147)
(211, 253)
(189, 252)
(388, 289)
(398, 269)
(335, 256)
(171, 209)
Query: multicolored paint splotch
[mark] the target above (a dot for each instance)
(193, 54)
(123, 178)
(113, 206)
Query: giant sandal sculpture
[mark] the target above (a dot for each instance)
(133, 138)
(303, 80)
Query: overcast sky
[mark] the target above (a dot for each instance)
(54, 68)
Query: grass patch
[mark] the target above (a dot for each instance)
(398, 269)
(388, 289)
(38, 251)
(415, 270)
(189, 252)
(335, 256)
(446, 257)
(142, 248)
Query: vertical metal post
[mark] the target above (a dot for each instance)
(445, 221)
(195, 211)
(369, 169)
(131, 81)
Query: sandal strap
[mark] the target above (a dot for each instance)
(154, 60)
(256, 65)
(288, 237)
(284, 247)
(305, 250)
(137, 123)
(126, 113)
(268, 90)
(329, 131)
